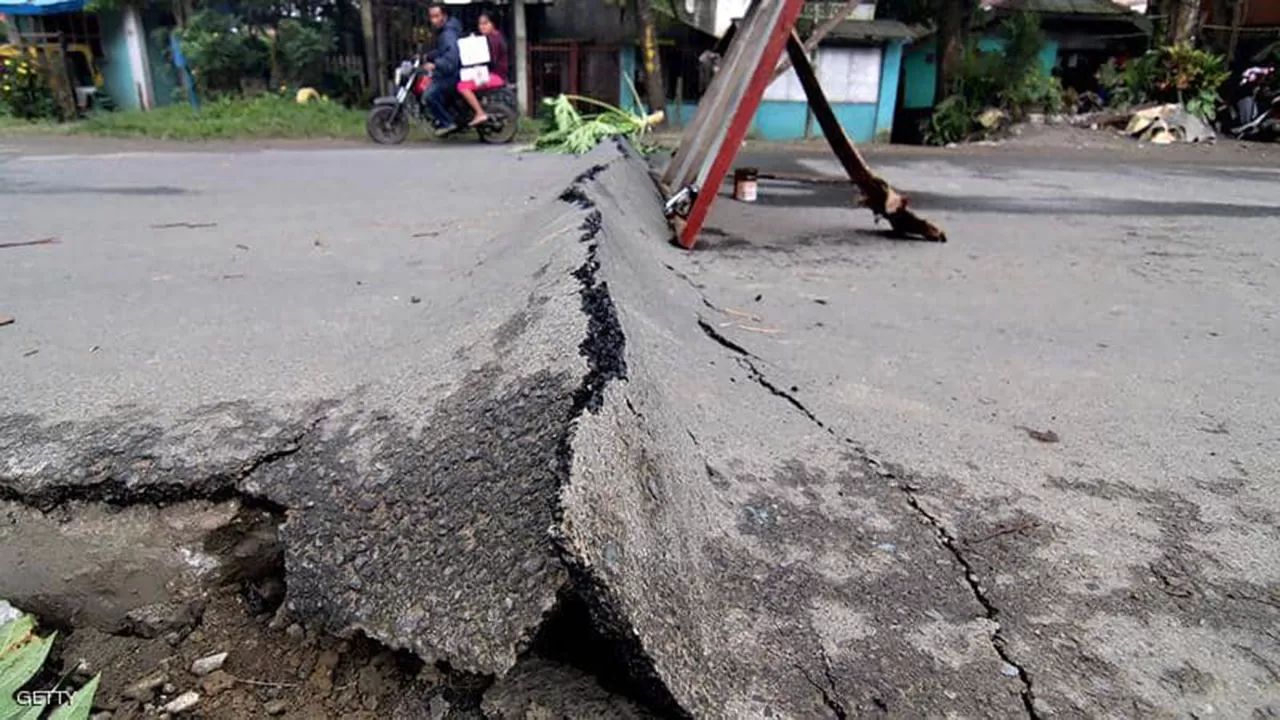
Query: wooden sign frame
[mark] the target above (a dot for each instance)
(693, 179)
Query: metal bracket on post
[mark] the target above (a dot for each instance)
(680, 202)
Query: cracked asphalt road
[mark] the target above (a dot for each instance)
(1079, 391)
(1028, 472)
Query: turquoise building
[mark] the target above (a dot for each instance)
(134, 71)
(858, 65)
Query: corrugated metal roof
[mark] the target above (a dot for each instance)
(871, 30)
(1062, 7)
(40, 7)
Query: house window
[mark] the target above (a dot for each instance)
(850, 74)
(75, 28)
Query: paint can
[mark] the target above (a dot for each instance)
(745, 184)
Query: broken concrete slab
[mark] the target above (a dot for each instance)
(759, 562)
(432, 533)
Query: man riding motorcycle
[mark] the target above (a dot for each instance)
(445, 64)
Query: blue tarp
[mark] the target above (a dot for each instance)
(40, 7)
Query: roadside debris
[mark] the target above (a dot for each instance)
(144, 689)
(8, 612)
(206, 665)
(1044, 436)
(572, 132)
(182, 703)
(992, 118)
(188, 225)
(1165, 124)
(28, 243)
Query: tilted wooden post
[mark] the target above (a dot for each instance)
(877, 195)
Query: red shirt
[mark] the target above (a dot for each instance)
(498, 61)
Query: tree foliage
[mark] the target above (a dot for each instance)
(1174, 73)
(1010, 80)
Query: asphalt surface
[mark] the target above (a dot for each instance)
(1080, 389)
(382, 343)
(1056, 488)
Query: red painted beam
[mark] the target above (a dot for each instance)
(740, 122)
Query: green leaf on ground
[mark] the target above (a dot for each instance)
(81, 703)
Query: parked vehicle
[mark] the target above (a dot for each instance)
(82, 69)
(1255, 114)
(390, 119)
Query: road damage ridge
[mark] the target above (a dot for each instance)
(115, 491)
(998, 642)
(604, 348)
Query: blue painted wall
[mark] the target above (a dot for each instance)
(920, 73)
(1048, 53)
(890, 71)
(117, 77)
(627, 69)
(782, 121)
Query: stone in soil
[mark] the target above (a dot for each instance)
(184, 702)
(145, 689)
(206, 665)
(217, 682)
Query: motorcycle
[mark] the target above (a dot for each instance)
(1256, 112)
(389, 120)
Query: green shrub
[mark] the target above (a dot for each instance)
(264, 116)
(25, 91)
(222, 52)
(953, 121)
(1011, 80)
(1174, 73)
(301, 49)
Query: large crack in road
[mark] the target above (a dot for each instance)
(579, 451)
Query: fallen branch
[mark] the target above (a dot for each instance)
(878, 196)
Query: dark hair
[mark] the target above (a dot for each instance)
(486, 13)
(439, 6)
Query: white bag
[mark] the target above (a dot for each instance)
(478, 75)
(474, 50)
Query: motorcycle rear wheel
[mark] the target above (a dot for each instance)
(505, 123)
(385, 128)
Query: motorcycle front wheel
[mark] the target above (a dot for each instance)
(386, 126)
